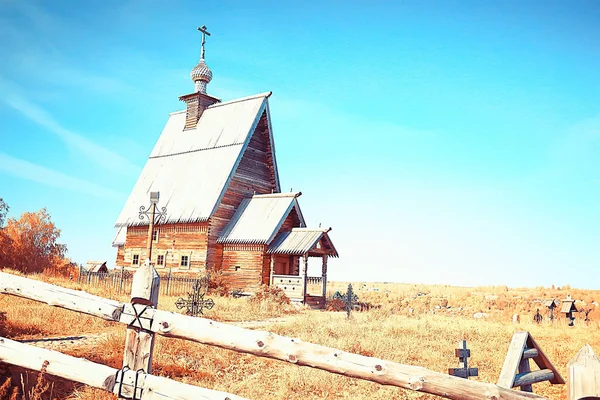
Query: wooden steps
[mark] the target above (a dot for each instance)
(315, 302)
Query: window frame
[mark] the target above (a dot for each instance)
(160, 259)
(135, 259)
(187, 261)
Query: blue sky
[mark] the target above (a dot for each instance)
(445, 142)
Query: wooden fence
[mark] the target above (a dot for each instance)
(119, 281)
(143, 320)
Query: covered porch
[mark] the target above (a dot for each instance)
(289, 255)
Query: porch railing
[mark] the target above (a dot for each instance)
(314, 285)
(292, 285)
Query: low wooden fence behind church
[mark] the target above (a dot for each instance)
(120, 281)
(144, 321)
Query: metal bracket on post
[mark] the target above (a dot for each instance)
(138, 315)
(129, 384)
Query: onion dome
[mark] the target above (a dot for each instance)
(201, 75)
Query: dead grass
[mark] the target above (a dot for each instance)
(426, 336)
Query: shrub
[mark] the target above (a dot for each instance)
(336, 305)
(270, 294)
(218, 285)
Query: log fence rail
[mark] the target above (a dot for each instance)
(146, 319)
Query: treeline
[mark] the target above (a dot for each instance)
(30, 244)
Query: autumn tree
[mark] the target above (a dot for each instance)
(32, 243)
(5, 242)
(3, 212)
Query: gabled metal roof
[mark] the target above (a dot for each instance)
(300, 241)
(192, 168)
(258, 218)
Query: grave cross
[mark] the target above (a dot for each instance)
(463, 371)
(196, 303)
(204, 33)
(349, 300)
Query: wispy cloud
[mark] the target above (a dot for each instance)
(92, 152)
(39, 174)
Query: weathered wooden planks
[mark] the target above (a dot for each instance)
(173, 241)
(139, 342)
(253, 175)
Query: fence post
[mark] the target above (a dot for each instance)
(168, 281)
(121, 281)
(139, 342)
(584, 375)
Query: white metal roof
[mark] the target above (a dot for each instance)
(259, 218)
(120, 237)
(191, 168)
(299, 241)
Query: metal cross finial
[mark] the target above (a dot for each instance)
(204, 33)
(154, 216)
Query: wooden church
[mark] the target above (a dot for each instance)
(215, 168)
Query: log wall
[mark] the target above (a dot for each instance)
(173, 241)
(254, 174)
(243, 266)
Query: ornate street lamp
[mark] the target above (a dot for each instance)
(154, 217)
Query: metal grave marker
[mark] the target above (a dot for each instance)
(196, 303)
(349, 298)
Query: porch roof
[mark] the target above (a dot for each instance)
(301, 241)
(258, 218)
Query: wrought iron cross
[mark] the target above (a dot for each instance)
(196, 303)
(349, 299)
(463, 354)
(154, 217)
(204, 33)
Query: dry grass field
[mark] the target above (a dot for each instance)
(411, 324)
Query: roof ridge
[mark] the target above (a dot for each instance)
(305, 229)
(255, 96)
(276, 195)
(252, 97)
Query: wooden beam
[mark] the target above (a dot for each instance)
(530, 353)
(543, 362)
(271, 269)
(324, 276)
(512, 360)
(139, 340)
(101, 376)
(529, 378)
(305, 277)
(583, 371)
(267, 344)
(524, 370)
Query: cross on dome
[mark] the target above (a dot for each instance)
(201, 74)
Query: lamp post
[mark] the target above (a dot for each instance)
(154, 217)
